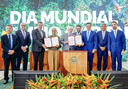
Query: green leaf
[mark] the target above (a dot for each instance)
(111, 79)
(105, 77)
(36, 78)
(114, 86)
(101, 76)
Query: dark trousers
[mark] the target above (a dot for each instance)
(101, 53)
(39, 55)
(21, 55)
(117, 55)
(90, 59)
(6, 66)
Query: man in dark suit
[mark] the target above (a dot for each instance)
(89, 39)
(116, 46)
(25, 41)
(10, 44)
(38, 46)
(78, 32)
(102, 41)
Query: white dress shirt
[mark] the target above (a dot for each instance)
(103, 34)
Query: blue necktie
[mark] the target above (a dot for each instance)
(10, 42)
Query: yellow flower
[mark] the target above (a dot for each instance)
(52, 82)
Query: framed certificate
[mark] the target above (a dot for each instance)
(78, 39)
(55, 41)
(51, 42)
(47, 42)
(71, 40)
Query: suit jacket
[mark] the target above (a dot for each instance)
(37, 41)
(118, 43)
(102, 42)
(64, 38)
(22, 41)
(90, 44)
(77, 47)
(6, 46)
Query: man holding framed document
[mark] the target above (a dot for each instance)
(75, 40)
(53, 45)
(68, 40)
(38, 46)
(78, 34)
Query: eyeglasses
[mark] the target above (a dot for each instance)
(53, 30)
(78, 28)
(22, 25)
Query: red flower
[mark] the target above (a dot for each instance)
(44, 79)
(56, 83)
(78, 82)
(99, 80)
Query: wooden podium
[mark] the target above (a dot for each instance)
(75, 62)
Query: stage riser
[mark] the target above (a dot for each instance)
(20, 77)
(121, 77)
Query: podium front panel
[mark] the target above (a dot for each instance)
(75, 61)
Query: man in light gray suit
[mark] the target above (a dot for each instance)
(64, 40)
(38, 46)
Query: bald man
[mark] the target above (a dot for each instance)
(102, 47)
(25, 41)
(64, 39)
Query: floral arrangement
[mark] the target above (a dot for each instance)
(70, 81)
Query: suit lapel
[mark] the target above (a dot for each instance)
(117, 34)
(101, 35)
(90, 35)
(13, 40)
(7, 41)
(38, 33)
(21, 35)
(86, 35)
(26, 35)
(105, 35)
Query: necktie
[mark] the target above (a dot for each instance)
(103, 34)
(24, 34)
(10, 42)
(88, 35)
(41, 34)
(115, 33)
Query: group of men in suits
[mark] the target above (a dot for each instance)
(15, 47)
(105, 43)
